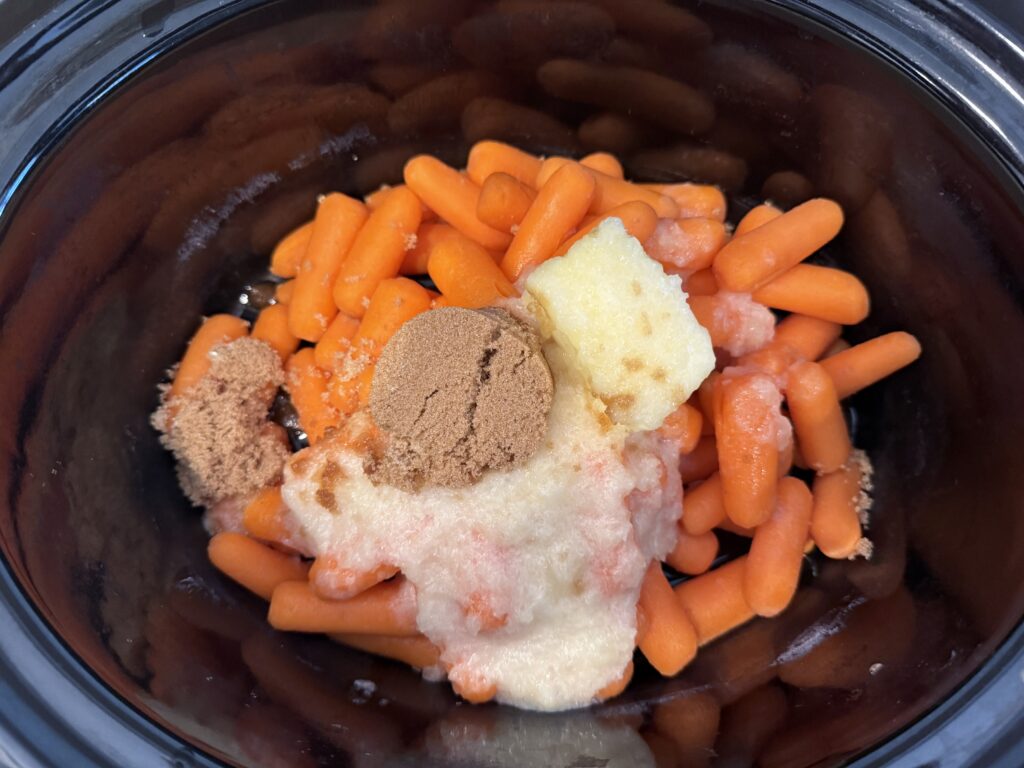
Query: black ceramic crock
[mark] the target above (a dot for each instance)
(152, 152)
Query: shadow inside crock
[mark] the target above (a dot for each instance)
(165, 202)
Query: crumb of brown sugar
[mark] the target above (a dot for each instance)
(218, 430)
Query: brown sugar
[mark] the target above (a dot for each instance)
(218, 429)
(459, 392)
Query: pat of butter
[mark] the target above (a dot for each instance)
(624, 323)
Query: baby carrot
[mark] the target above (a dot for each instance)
(215, 330)
(472, 689)
(561, 204)
(504, 201)
(255, 566)
(386, 609)
(714, 600)
(777, 550)
(689, 244)
(609, 191)
(338, 220)
(693, 555)
(428, 235)
(683, 425)
(289, 252)
(835, 524)
(375, 199)
(637, 217)
(749, 261)
(267, 518)
(307, 386)
(394, 301)
(703, 507)
(667, 638)
(454, 197)
(616, 686)
(755, 217)
(378, 251)
(837, 346)
(272, 327)
(746, 425)
(488, 157)
(416, 651)
(817, 417)
(701, 283)
(605, 163)
(808, 337)
(335, 342)
(823, 292)
(873, 360)
(283, 292)
(348, 392)
(695, 201)
(701, 462)
(466, 274)
(333, 581)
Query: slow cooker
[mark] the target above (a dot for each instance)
(122, 220)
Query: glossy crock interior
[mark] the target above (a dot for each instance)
(163, 205)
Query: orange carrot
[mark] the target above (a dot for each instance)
(338, 220)
(393, 303)
(378, 251)
(616, 686)
(488, 157)
(428, 235)
(755, 217)
(729, 526)
(386, 609)
(375, 199)
(350, 391)
(746, 425)
(714, 600)
(272, 327)
(284, 291)
(703, 507)
(290, 251)
(605, 163)
(267, 518)
(864, 364)
(693, 555)
(749, 261)
(837, 346)
(307, 386)
(689, 244)
(335, 342)
(473, 690)
(667, 639)
(808, 337)
(454, 197)
(215, 330)
(835, 523)
(416, 651)
(561, 204)
(777, 550)
(466, 274)
(638, 218)
(683, 425)
(610, 192)
(504, 201)
(701, 283)
(822, 292)
(817, 417)
(332, 580)
(695, 201)
(255, 566)
(701, 461)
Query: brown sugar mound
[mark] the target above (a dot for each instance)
(218, 429)
(459, 392)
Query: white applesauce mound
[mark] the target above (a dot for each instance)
(556, 547)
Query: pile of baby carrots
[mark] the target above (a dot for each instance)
(347, 287)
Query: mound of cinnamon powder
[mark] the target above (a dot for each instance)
(218, 429)
(459, 392)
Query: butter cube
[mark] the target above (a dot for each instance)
(624, 324)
